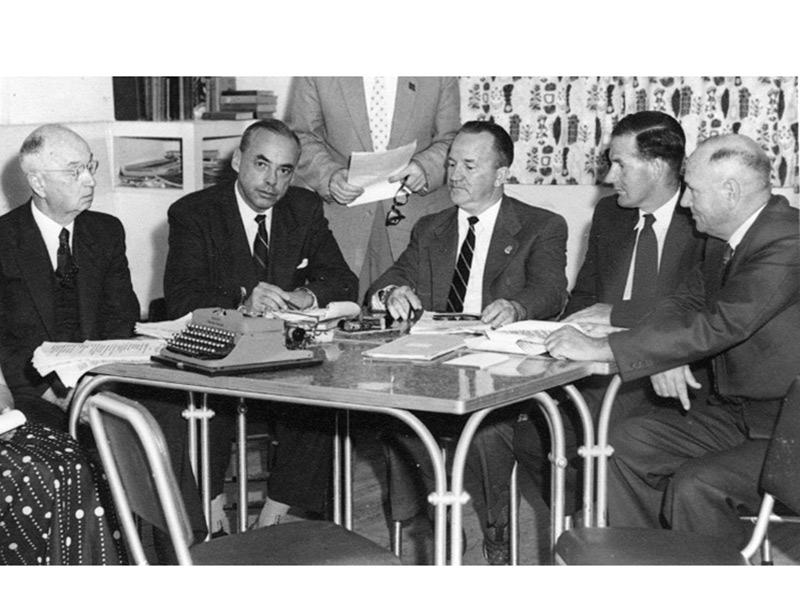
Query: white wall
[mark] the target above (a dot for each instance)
(86, 105)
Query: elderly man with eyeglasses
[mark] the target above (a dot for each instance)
(489, 256)
(63, 271)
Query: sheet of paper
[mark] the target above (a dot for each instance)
(479, 360)
(427, 324)
(163, 330)
(372, 170)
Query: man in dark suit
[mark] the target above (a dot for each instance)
(517, 272)
(64, 277)
(646, 154)
(265, 245)
(696, 468)
(63, 271)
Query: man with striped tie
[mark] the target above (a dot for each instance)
(489, 255)
(264, 244)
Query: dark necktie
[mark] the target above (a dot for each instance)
(66, 269)
(261, 248)
(645, 269)
(727, 254)
(458, 289)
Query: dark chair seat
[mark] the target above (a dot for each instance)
(632, 546)
(298, 543)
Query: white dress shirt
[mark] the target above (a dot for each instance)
(50, 231)
(663, 217)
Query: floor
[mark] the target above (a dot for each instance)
(370, 514)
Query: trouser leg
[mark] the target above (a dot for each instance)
(649, 450)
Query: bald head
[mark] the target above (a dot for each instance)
(44, 144)
(727, 180)
(59, 168)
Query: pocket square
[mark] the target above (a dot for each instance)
(303, 264)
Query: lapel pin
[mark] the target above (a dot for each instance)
(412, 87)
(508, 249)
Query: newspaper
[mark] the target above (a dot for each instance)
(71, 360)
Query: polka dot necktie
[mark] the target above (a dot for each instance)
(378, 119)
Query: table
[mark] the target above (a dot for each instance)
(347, 380)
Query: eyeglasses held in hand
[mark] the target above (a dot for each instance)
(76, 171)
(394, 216)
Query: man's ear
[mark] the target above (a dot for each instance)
(36, 184)
(236, 160)
(733, 191)
(501, 176)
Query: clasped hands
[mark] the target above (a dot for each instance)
(267, 297)
(402, 300)
(413, 178)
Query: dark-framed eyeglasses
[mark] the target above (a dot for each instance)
(77, 170)
(394, 216)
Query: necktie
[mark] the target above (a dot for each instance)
(458, 289)
(727, 254)
(378, 120)
(66, 269)
(261, 248)
(645, 269)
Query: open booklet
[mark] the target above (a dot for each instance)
(521, 337)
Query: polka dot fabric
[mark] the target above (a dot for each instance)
(55, 505)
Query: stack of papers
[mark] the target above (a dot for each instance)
(522, 337)
(417, 347)
(427, 325)
(70, 361)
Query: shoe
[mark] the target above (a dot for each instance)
(496, 551)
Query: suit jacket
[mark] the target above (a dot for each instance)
(526, 260)
(108, 306)
(750, 325)
(604, 272)
(329, 115)
(210, 260)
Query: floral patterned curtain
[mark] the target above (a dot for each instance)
(561, 125)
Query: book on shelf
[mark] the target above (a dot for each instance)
(264, 114)
(233, 93)
(167, 98)
(253, 107)
(227, 115)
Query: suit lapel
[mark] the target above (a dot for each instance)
(679, 234)
(286, 237)
(352, 90)
(36, 269)
(404, 102)
(232, 248)
(86, 249)
(503, 245)
(443, 255)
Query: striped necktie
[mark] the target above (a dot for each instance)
(458, 289)
(261, 249)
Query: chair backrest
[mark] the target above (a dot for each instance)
(780, 475)
(135, 458)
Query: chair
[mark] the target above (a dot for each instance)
(134, 456)
(635, 546)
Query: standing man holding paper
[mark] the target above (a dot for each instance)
(336, 116)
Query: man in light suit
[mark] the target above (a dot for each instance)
(214, 261)
(646, 154)
(64, 277)
(334, 117)
(517, 272)
(695, 469)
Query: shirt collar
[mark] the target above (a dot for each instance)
(49, 228)
(247, 214)
(663, 214)
(737, 236)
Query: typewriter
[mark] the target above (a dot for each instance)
(227, 342)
